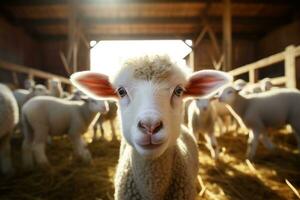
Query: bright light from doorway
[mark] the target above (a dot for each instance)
(107, 56)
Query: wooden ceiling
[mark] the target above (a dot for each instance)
(145, 19)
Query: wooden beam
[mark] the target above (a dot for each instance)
(214, 40)
(53, 2)
(65, 62)
(227, 37)
(200, 36)
(213, 20)
(31, 72)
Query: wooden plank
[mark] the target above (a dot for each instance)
(279, 80)
(227, 37)
(290, 66)
(279, 57)
(31, 72)
(213, 20)
(53, 2)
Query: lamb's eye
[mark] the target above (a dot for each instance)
(122, 92)
(178, 91)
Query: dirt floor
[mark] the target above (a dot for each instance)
(229, 178)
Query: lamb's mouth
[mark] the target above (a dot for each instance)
(151, 146)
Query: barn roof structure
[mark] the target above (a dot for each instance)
(55, 34)
(146, 19)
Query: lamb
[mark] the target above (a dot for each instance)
(55, 88)
(201, 119)
(158, 156)
(271, 109)
(29, 84)
(240, 84)
(109, 116)
(9, 116)
(48, 116)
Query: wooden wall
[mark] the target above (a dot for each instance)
(18, 47)
(243, 53)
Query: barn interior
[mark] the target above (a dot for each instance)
(250, 39)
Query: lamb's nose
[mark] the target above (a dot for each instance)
(150, 127)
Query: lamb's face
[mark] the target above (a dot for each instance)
(40, 90)
(228, 95)
(203, 104)
(29, 84)
(150, 112)
(150, 92)
(98, 105)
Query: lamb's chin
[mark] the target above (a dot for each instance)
(151, 151)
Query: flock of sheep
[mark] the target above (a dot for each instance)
(38, 113)
(159, 151)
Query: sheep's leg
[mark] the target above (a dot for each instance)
(101, 129)
(220, 125)
(80, 149)
(266, 141)
(252, 144)
(5, 155)
(39, 145)
(95, 129)
(212, 145)
(114, 136)
(27, 154)
(296, 132)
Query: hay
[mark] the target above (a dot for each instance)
(292, 188)
(228, 178)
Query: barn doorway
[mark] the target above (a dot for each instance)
(107, 56)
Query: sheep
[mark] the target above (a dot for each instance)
(158, 155)
(29, 84)
(201, 119)
(109, 116)
(48, 116)
(23, 95)
(9, 116)
(55, 88)
(239, 84)
(271, 109)
(76, 96)
(266, 84)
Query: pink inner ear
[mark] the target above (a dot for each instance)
(203, 85)
(97, 85)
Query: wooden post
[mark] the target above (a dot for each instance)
(227, 37)
(290, 67)
(15, 79)
(252, 76)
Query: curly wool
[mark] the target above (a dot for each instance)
(171, 176)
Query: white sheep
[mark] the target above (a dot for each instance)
(29, 84)
(239, 84)
(23, 95)
(9, 116)
(48, 116)
(109, 116)
(158, 156)
(55, 88)
(201, 120)
(272, 109)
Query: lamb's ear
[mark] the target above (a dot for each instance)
(95, 85)
(206, 83)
